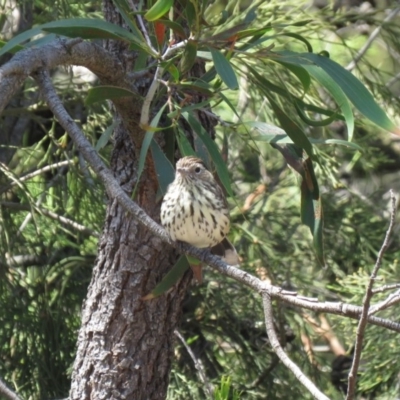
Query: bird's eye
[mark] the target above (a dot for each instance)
(197, 170)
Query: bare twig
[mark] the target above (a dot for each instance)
(35, 173)
(366, 304)
(276, 346)
(52, 215)
(8, 393)
(386, 288)
(142, 26)
(371, 39)
(145, 114)
(391, 300)
(198, 365)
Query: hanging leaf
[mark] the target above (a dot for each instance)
(311, 206)
(101, 93)
(125, 11)
(212, 148)
(189, 57)
(148, 137)
(355, 91)
(224, 69)
(337, 93)
(105, 137)
(14, 44)
(273, 134)
(301, 73)
(185, 148)
(291, 128)
(165, 170)
(159, 9)
(88, 28)
(173, 276)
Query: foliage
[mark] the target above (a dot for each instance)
(267, 66)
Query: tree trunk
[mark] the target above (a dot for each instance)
(125, 344)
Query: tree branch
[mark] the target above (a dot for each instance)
(391, 300)
(52, 215)
(35, 173)
(371, 39)
(8, 393)
(198, 365)
(60, 52)
(276, 346)
(366, 304)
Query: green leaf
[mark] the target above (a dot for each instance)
(273, 134)
(14, 44)
(185, 148)
(300, 108)
(14, 50)
(224, 69)
(227, 34)
(301, 73)
(337, 93)
(212, 148)
(174, 72)
(350, 85)
(192, 107)
(88, 28)
(165, 170)
(189, 57)
(300, 38)
(125, 11)
(148, 137)
(160, 8)
(197, 87)
(230, 105)
(105, 137)
(311, 215)
(175, 27)
(291, 128)
(311, 206)
(101, 93)
(170, 279)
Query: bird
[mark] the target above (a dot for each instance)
(195, 211)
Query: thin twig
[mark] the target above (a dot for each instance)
(142, 26)
(386, 288)
(276, 346)
(366, 304)
(198, 365)
(393, 80)
(8, 393)
(52, 215)
(145, 114)
(371, 39)
(35, 173)
(391, 300)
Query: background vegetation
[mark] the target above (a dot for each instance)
(53, 207)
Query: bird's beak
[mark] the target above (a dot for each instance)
(182, 171)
